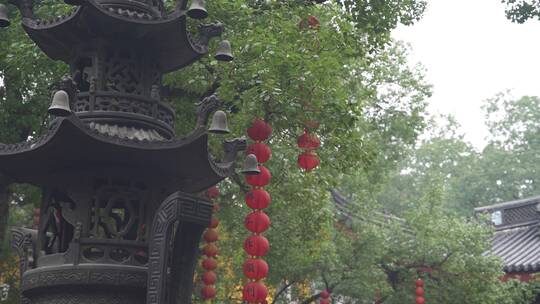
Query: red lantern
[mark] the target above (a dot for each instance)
(255, 269)
(308, 160)
(210, 250)
(324, 301)
(420, 300)
(260, 150)
(214, 222)
(211, 235)
(256, 245)
(258, 199)
(259, 130)
(419, 283)
(255, 292)
(419, 291)
(209, 264)
(257, 221)
(209, 278)
(259, 180)
(325, 294)
(208, 292)
(313, 22)
(212, 192)
(308, 141)
(37, 212)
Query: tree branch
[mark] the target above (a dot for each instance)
(282, 290)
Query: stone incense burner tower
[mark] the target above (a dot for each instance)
(120, 218)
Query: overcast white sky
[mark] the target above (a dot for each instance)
(471, 52)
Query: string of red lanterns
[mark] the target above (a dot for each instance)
(325, 297)
(419, 291)
(309, 142)
(256, 246)
(210, 250)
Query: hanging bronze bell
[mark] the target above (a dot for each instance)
(219, 123)
(60, 104)
(197, 9)
(251, 165)
(224, 52)
(4, 19)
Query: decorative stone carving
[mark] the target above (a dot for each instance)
(178, 207)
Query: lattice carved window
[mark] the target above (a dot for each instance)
(118, 212)
(123, 73)
(519, 215)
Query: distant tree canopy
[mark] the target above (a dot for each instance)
(506, 169)
(522, 10)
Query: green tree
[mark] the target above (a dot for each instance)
(522, 10)
(379, 256)
(444, 157)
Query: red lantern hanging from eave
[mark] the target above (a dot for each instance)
(209, 278)
(308, 160)
(211, 235)
(258, 199)
(260, 130)
(255, 269)
(256, 245)
(257, 222)
(209, 264)
(212, 192)
(325, 294)
(259, 180)
(36, 216)
(255, 292)
(419, 291)
(308, 141)
(214, 222)
(208, 292)
(260, 150)
(210, 250)
(313, 22)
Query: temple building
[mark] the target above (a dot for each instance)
(517, 237)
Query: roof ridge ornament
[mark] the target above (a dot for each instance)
(208, 31)
(205, 107)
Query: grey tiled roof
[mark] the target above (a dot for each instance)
(517, 236)
(343, 204)
(519, 248)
